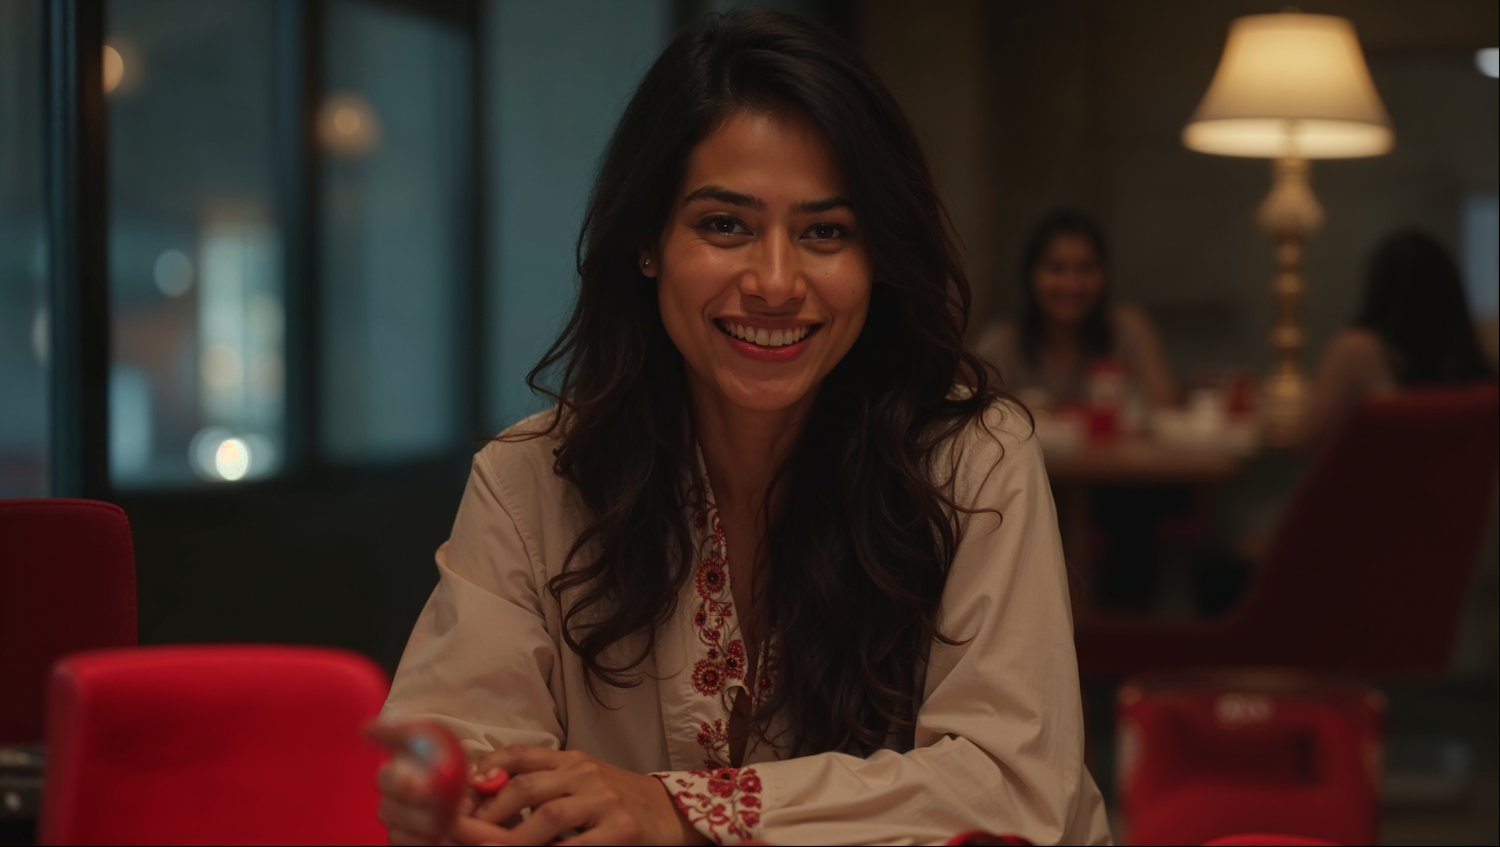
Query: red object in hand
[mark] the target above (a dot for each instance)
(493, 784)
(431, 748)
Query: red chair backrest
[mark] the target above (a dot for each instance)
(67, 583)
(212, 745)
(1368, 570)
(1301, 754)
(1267, 839)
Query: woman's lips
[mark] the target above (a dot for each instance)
(785, 352)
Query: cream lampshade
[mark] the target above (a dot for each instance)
(1290, 87)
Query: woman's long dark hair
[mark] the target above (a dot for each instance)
(857, 554)
(1096, 334)
(1414, 300)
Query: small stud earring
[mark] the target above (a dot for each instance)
(646, 264)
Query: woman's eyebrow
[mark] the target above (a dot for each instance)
(813, 207)
(724, 195)
(746, 201)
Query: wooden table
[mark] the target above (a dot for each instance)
(1127, 460)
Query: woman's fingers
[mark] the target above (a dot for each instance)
(402, 780)
(520, 758)
(612, 830)
(555, 817)
(528, 790)
(406, 817)
(469, 831)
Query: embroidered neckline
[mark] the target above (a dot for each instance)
(713, 617)
(724, 663)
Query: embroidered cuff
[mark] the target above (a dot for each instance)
(723, 804)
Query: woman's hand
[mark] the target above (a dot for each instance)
(408, 806)
(569, 791)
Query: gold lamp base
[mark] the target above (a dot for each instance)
(1290, 213)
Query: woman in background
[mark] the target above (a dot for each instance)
(1068, 323)
(1068, 327)
(1413, 330)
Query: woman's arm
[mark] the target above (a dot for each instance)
(480, 653)
(999, 740)
(1353, 368)
(1148, 357)
(482, 661)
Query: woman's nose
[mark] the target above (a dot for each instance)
(775, 275)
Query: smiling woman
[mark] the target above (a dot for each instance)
(782, 562)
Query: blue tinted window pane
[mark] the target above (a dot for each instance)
(562, 73)
(394, 127)
(1481, 246)
(196, 280)
(23, 255)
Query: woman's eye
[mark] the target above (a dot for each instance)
(827, 232)
(724, 225)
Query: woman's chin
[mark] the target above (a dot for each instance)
(766, 395)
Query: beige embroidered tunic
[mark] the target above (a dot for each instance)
(999, 737)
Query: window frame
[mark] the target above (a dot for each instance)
(76, 145)
(327, 553)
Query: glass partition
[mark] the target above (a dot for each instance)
(196, 277)
(24, 341)
(396, 232)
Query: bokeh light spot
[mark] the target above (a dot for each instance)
(232, 459)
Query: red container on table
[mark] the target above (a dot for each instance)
(1103, 423)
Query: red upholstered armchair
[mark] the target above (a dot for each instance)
(212, 745)
(1203, 758)
(67, 583)
(1368, 569)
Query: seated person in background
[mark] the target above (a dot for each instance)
(749, 579)
(1067, 321)
(1413, 330)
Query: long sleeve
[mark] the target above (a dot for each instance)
(999, 739)
(480, 659)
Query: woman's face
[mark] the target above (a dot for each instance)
(762, 277)
(1068, 279)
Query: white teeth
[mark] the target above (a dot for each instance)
(767, 338)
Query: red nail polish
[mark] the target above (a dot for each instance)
(493, 784)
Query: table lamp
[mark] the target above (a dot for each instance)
(1290, 87)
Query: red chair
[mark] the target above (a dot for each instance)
(1267, 839)
(1368, 570)
(1204, 758)
(212, 745)
(67, 583)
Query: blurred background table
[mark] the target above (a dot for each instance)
(1128, 460)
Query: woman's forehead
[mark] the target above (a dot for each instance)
(781, 158)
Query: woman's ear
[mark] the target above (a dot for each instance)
(646, 261)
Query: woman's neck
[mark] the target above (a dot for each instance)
(743, 448)
(1061, 339)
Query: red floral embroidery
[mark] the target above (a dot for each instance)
(708, 677)
(722, 803)
(714, 739)
(770, 665)
(715, 609)
(726, 663)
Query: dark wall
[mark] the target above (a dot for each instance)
(345, 561)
